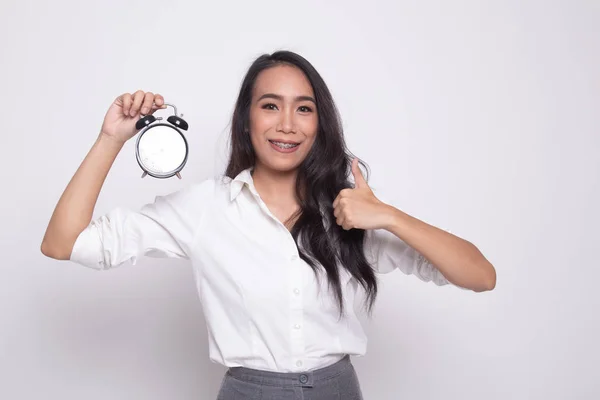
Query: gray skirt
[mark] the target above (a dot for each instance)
(334, 382)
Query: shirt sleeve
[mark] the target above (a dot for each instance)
(387, 252)
(163, 228)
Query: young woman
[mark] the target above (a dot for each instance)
(281, 246)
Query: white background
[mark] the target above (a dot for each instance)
(479, 117)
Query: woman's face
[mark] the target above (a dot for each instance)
(283, 118)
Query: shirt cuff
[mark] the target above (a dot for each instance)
(87, 250)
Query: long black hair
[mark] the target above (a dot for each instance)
(321, 176)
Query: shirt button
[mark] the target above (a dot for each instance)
(296, 291)
(294, 257)
(297, 326)
(299, 363)
(303, 378)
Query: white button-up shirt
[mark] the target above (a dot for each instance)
(263, 305)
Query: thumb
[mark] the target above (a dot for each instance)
(359, 180)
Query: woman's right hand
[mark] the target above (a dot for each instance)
(123, 114)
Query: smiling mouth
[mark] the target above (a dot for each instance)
(284, 145)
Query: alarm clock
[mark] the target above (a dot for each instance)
(161, 148)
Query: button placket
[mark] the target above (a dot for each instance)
(296, 310)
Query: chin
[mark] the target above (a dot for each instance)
(281, 165)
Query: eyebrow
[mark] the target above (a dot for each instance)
(278, 97)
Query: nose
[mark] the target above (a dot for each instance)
(286, 122)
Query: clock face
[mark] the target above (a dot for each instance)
(161, 150)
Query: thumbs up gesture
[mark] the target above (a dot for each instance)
(358, 207)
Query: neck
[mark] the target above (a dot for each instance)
(275, 186)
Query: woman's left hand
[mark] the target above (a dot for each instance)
(358, 207)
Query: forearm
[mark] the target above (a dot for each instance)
(75, 207)
(458, 260)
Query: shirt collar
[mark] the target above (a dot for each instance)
(237, 184)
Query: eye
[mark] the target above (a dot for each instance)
(268, 106)
(306, 109)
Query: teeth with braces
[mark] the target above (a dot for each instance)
(285, 145)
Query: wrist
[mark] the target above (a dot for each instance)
(393, 218)
(109, 141)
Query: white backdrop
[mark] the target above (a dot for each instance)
(479, 117)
